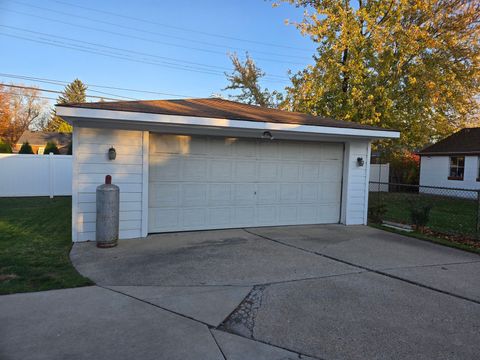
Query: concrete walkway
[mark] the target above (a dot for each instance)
(321, 292)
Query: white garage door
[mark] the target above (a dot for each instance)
(214, 182)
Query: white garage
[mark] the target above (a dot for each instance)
(211, 164)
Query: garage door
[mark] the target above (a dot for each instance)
(214, 182)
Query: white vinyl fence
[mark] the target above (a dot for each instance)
(379, 173)
(35, 175)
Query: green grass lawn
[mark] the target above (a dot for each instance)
(35, 240)
(448, 215)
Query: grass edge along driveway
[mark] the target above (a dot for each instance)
(35, 241)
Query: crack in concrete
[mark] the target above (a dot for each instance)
(241, 321)
(216, 342)
(429, 265)
(379, 272)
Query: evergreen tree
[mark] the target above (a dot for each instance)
(51, 147)
(75, 92)
(26, 148)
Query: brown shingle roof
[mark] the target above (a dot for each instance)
(40, 138)
(465, 141)
(223, 109)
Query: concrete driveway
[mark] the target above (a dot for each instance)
(322, 292)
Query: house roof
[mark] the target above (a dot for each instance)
(463, 142)
(221, 109)
(40, 138)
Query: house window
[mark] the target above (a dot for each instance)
(457, 166)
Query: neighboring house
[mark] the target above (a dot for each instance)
(452, 162)
(200, 164)
(38, 140)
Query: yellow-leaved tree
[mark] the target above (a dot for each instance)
(408, 65)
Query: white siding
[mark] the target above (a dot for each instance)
(91, 165)
(434, 171)
(355, 183)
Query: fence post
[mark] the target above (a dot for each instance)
(51, 174)
(478, 214)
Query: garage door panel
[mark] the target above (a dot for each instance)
(220, 170)
(267, 170)
(220, 194)
(329, 192)
(219, 216)
(244, 216)
(330, 171)
(245, 148)
(245, 170)
(194, 169)
(267, 193)
(267, 215)
(289, 171)
(164, 194)
(205, 183)
(309, 192)
(289, 193)
(244, 194)
(267, 150)
(194, 194)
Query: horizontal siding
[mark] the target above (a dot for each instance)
(356, 206)
(126, 170)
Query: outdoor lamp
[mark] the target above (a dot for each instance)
(112, 153)
(267, 135)
(360, 161)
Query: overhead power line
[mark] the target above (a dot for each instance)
(131, 36)
(195, 31)
(54, 91)
(90, 85)
(125, 26)
(29, 95)
(119, 56)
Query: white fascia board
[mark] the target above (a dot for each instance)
(128, 116)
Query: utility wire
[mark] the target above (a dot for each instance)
(128, 35)
(124, 26)
(195, 31)
(54, 91)
(90, 85)
(127, 51)
(122, 57)
(29, 95)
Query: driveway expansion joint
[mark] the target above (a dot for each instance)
(379, 272)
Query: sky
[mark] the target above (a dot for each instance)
(169, 49)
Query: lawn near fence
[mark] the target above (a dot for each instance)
(35, 240)
(448, 215)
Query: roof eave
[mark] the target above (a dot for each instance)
(72, 114)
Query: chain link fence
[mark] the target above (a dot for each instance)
(450, 210)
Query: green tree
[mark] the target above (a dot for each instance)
(51, 147)
(26, 148)
(75, 92)
(407, 65)
(5, 147)
(246, 78)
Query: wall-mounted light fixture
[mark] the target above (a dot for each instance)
(112, 153)
(360, 161)
(267, 135)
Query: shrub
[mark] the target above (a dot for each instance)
(5, 148)
(377, 212)
(420, 214)
(70, 149)
(51, 147)
(26, 148)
